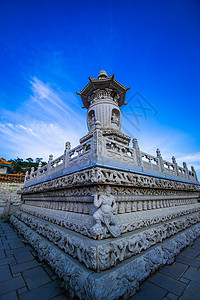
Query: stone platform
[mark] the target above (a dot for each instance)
(105, 215)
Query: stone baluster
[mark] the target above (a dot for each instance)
(66, 154)
(97, 147)
(175, 165)
(186, 169)
(193, 170)
(49, 163)
(26, 176)
(160, 161)
(138, 153)
(31, 173)
(39, 168)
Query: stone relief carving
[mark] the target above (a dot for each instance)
(102, 175)
(124, 204)
(106, 205)
(111, 253)
(117, 251)
(122, 282)
(127, 222)
(121, 194)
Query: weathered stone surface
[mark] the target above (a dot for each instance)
(90, 285)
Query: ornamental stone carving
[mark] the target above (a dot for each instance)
(106, 206)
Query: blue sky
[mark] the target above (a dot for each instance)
(49, 48)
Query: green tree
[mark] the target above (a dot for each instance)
(30, 160)
(38, 159)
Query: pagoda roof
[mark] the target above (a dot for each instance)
(106, 82)
(5, 163)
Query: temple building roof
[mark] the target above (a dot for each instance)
(4, 162)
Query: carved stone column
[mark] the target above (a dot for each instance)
(160, 161)
(138, 153)
(66, 156)
(97, 140)
(175, 165)
(49, 163)
(186, 169)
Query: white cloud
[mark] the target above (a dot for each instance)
(170, 141)
(191, 157)
(43, 124)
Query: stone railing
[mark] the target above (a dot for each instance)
(111, 150)
(69, 158)
(79, 153)
(157, 163)
(118, 151)
(149, 161)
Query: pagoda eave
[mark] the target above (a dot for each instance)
(95, 84)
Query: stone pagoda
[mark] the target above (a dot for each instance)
(105, 215)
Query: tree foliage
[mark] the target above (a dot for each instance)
(21, 166)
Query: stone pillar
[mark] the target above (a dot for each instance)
(138, 153)
(175, 165)
(186, 169)
(160, 161)
(49, 163)
(39, 168)
(193, 170)
(26, 176)
(66, 155)
(97, 147)
(32, 171)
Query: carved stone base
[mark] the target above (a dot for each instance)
(120, 281)
(99, 256)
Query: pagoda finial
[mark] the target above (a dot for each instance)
(102, 75)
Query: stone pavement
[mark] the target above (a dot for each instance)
(22, 276)
(180, 280)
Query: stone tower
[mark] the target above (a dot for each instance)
(103, 97)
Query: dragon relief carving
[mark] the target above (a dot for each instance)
(84, 225)
(100, 175)
(106, 205)
(125, 277)
(109, 253)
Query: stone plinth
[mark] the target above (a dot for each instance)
(105, 215)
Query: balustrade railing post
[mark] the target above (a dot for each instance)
(26, 175)
(195, 175)
(38, 169)
(160, 161)
(31, 173)
(97, 145)
(66, 154)
(49, 163)
(186, 169)
(175, 165)
(138, 153)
